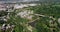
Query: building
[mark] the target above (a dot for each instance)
(2, 7)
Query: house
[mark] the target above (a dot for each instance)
(20, 6)
(2, 7)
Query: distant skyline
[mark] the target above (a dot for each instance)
(10, 1)
(19, 0)
(14, 1)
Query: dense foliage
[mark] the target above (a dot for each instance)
(42, 24)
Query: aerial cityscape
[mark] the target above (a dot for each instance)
(29, 15)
